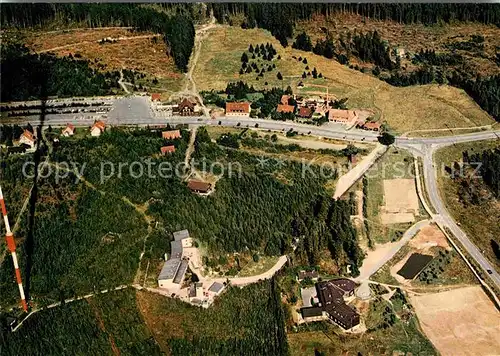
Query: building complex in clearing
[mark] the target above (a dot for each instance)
(330, 295)
(175, 267)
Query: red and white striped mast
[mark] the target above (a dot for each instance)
(11, 245)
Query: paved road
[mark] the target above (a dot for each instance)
(444, 219)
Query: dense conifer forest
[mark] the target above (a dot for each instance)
(243, 321)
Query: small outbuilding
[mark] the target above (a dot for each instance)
(167, 149)
(68, 131)
(171, 134)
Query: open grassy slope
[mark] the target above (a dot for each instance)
(143, 52)
(404, 109)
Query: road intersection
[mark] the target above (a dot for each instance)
(136, 111)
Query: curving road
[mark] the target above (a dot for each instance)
(426, 149)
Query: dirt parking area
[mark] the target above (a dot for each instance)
(400, 201)
(430, 236)
(460, 322)
(400, 196)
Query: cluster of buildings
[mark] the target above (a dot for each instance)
(171, 277)
(300, 107)
(303, 108)
(327, 301)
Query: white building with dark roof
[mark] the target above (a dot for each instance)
(175, 267)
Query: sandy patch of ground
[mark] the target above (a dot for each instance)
(460, 322)
(401, 201)
(373, 257)
(400, 196)
(429, 236)
(398, 218)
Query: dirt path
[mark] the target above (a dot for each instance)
(190, 148)
(378, 257)
(480, 128)
(190, 87)
(242, 281)
(87, 42)
(67, 301)
(348, 179)
(122, 83)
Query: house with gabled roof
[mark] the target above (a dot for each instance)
(68, 131)
(285, 108)
(238, 109)
(27, 138)
(167, 149)
(98, 128)
(171, 134)
(186, 108)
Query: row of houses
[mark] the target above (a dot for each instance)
(303, 108)
(95, 130)
(307, 109)
(169, 135)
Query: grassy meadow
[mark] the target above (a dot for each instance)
(402, 108)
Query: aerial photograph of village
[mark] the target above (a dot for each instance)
(250, 178)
